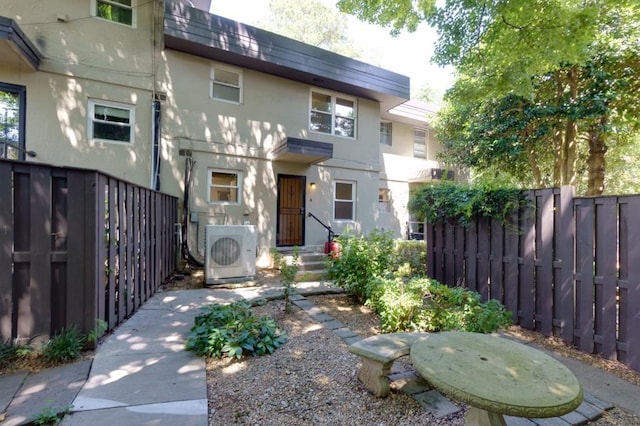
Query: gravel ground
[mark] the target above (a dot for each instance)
(311, 380)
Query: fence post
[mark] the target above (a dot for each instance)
(6, 252)
(565, 258)
(584, 273)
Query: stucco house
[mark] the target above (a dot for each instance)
(246, 126)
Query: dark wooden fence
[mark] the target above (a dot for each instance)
(78, 247)
(565, 266)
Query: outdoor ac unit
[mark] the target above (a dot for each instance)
(230, 253)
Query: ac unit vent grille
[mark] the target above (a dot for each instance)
(226, 251)
(230, 253)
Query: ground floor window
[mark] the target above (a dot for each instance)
(344, 200)
(12, 121)
(111, 121)
(224, 186)
(384, 204)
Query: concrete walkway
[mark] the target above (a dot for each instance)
(142, 375)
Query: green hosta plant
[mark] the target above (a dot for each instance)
(233, 331)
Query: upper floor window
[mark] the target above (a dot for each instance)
(385, 133)
(419, 143)
(384, 203)
(344, 201)
(335, 115)
(121, 11)
(226, 84)
(110, 121)
(224, 186)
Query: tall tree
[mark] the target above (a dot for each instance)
(313, 23)
(555, 79)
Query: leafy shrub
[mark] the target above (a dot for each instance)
(397, 303)
(458, 203)
(232, 330)
(98, 331)
(288, 272)
(423, 304)
(362, 260)
(412, 253)
(65, 346)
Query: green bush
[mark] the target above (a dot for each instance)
(65, 346)
(423, 304)
(397, 303)
(362, 260)
(232, 330)
(457, 203)
(412, 253)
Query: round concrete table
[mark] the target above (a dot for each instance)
(495, 376)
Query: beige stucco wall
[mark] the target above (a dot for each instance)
(88, 58)
(222, 135)
(398, 167)
(85, 58)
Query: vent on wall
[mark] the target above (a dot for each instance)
(230, 253)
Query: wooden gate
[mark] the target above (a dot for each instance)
(291, 196)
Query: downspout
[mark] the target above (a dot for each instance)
(155, 138)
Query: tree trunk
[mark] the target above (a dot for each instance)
(596, 161)
(570, 143)
(557, 134)
(535, 169)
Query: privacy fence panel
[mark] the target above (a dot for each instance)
(562, 265)
(77, 247)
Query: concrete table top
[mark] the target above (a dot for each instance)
(496, 376)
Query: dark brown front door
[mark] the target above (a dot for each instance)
(290, 210)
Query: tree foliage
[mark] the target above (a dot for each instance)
(546, 89)
(313, 23)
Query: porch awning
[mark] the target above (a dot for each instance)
(302, 151)
(15, 47)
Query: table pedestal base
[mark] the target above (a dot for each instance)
(478, 417)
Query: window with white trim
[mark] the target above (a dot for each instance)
(120, 11)
(419, 143)
(224, 186)
(384, 203)
(344, 200)
(226, 84)
(335, 115)
(111, 121)
(385, 133)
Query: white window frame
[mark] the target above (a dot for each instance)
(384, 206)
(333, 113)
(416, 153)
(213, 81)
(91, 120)
(238, 187)
(352, 200)
(386, 136)
(133, 8)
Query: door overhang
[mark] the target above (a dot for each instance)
(302, 151)
(15, 47)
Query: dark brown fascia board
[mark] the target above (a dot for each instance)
(217, 38)
(10, 31)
